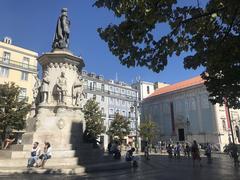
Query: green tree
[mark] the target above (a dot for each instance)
(119, 127)
(94, 121)
(148, 131)
(13, 110)
(209, 31)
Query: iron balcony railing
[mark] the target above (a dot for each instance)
(127, 117)
(102, 90)
(16, 64)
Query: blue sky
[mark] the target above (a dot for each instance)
(31, 24)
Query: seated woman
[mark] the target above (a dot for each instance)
(35, 152)
(8, 141)
(47, 154)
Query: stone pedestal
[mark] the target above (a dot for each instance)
(60, 123)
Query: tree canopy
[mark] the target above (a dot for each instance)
(209, 31)
(119, 127)
(94, 121)
(148, 130)
(13, 110)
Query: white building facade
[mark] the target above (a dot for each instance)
(113, 97)
(184, 113)
(144, 89)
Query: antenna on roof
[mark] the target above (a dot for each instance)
(116, 77)
(138, 78)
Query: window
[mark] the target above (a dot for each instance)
(4, 72)
(6, 57)
(123, 113)
(94, 97)
(110, 111)
(94, 85)
(102, 110)
(23, 93)
(91, 86)
(25, 62)
(102, 87)
(148, 90)
(24, 76)
(123, 102)
(102, 98)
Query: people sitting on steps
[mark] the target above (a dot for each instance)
(47, 154)
(8, 141)
(35, 153)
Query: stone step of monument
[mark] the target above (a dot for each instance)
(25, 147)
(71, 170)
(51, 162)
(5, 154)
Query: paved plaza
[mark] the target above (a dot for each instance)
(158, 167)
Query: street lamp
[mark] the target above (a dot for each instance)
(134, 109)
(188, 125)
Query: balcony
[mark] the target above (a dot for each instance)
(17, 65)
(110, 93)
(111, 116)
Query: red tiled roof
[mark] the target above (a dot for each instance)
(180, 85)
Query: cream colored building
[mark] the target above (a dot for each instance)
(18, 65)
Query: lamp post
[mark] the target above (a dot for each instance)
(188, 125)
(134, 109)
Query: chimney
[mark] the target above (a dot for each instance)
(7, 40)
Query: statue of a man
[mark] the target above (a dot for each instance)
(45, 87)
(78, 93)
(36, 87)
(61, 38)
(62, 87)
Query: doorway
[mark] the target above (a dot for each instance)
(181, 136)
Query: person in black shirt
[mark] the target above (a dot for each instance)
(129, 154)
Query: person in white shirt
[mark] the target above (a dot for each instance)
(47, 154)
(34, 155)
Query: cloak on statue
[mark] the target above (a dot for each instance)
(61, 38)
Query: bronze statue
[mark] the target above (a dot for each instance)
(61, 38)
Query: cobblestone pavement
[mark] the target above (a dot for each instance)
(158, 167)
